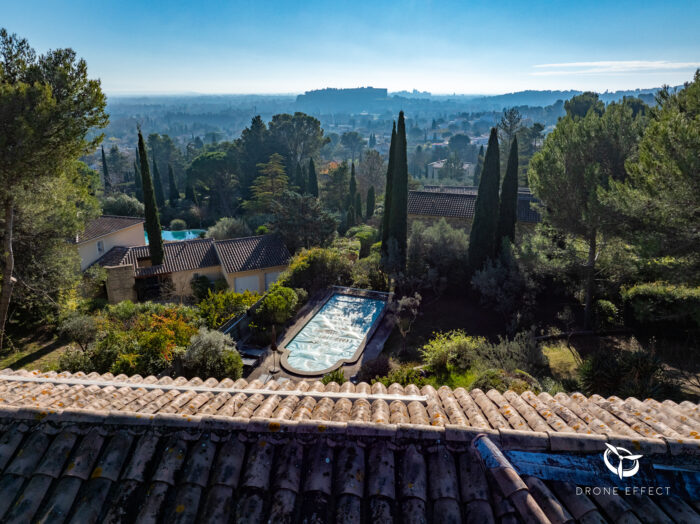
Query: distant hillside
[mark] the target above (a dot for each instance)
(545, 98)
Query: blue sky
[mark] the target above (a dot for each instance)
(289, 46)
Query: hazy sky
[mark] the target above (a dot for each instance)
(287, 46)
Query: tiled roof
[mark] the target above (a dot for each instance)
(470, 190)
(573, 413)
(245, 254)
(299, 452)
(179, 256)
(105, 225)
(460, 204)
(448, 205)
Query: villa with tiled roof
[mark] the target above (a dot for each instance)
(250, 263)
(100, 448)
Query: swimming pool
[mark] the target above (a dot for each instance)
(334, 333)
(176, 236)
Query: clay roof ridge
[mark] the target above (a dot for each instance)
(505, 439)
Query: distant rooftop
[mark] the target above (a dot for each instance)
(459, 202)
(105, 225)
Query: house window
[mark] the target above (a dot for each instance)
(100, 247)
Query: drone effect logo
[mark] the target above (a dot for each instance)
(624, 457)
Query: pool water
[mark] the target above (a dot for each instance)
(334, 333)
(176, 236)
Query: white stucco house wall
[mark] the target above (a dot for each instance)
(106, 232)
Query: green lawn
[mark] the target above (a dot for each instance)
(38, 352)
(562, 362)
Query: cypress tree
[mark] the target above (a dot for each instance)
(479, 166)
(399, 198)
(312, 186)
(369, 212)
(350, 221)
(353, 182)
(508, 210)
(482, 239)
(189, 190)
(299, 180)
(358, 206)
(105, 172)
(155, 240)
(385, 229)
(158, 184)
(138, 188)
(174, 193)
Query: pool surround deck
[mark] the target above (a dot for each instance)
(311, 309)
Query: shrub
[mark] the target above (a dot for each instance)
(93, 283)
(628, 374)
(437, 255)
(404, 374)
(262, 230)
(367, 235)
(122, 205)
(228, 227)
(520, 352)
(378, 367)
(213, 354)
(81, 329)
(218, 308)
(607, 315)
(658, 305)
(177, 224)
(455, 348)
(278, 306)
(74, 360)
(317, 268)
(367, 273)
(136, 338)
(201, 287)
(336, 376)
(502, 380)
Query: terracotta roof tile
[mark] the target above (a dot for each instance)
(106, 224)
(187, 452)
(245, 254)
(458, 203)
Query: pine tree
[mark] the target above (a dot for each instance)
(358, 206)
(479, 166)
(158, 184)
(385, 229)
(105, 172)
(138, 187)
(369, 212)
(174, 193)
(155, 240)
(399, 198)
(312, 186)
(299, 180)
(482, 239)
(508, 210)
(350, 221)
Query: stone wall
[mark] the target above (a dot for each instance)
(120, 283)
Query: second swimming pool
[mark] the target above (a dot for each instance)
(334, 333)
